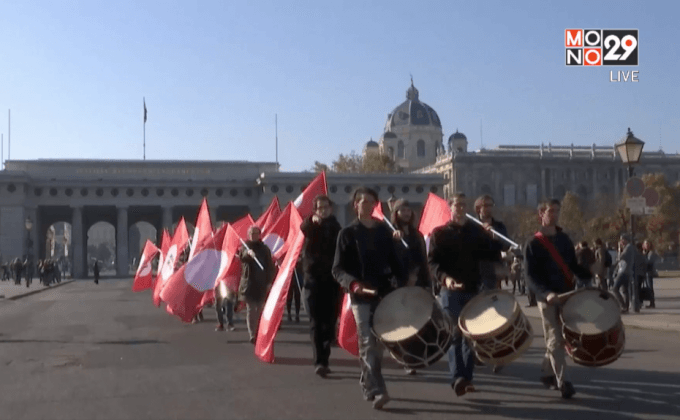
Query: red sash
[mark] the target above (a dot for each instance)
(568, 275)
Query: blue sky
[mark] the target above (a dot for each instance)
(214, 74)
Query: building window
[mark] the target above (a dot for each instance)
(421, 148)
(204, 192)
(400, 149)
(114, 192)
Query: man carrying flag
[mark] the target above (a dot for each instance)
(257, 275)
(321, 291)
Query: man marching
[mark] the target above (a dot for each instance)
(365, 262)
(550, 259)
(321, 290)
(456, 250)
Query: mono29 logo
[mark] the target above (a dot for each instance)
(601, 47)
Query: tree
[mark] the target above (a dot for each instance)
(377, 163)
(355, 163)
(348, 164)
(571, 217)
(320, 167)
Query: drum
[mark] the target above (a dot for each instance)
(496, 327)
(592, 327)
(413, 327)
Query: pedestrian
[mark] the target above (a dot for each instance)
(652, 258)
(414, 257)
(322, 292)
(490, 269)
(255, 281)
(365, 263)
(224, 305)
(294, 295)
(603, 261)
(586, 259)
(456, 251)
(625, 274)
(95, 270)
(550, 261)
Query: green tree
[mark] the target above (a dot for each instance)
(320, 167)
(354, 163)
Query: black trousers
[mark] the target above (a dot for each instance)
(322, 302)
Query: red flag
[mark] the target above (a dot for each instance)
(270, 215)
(242, 225)
(276, 236)
(185, 288)
(144, 278)
(347, 331)
(179, 242)
(435, 213)
(165, 245)
(232, 275)
(294, 223)
(203, 227)
(377, 211)
(273, 308)
(304, 201)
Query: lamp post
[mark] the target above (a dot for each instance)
(630, 151)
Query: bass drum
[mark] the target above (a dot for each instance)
(496, 327)
(592, 327)
(413, 326)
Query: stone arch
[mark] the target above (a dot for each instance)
(101, 247)
(138, 233)
(420, 148)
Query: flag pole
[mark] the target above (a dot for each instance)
(9, 134)
(255, 258)
(276, 129)
(144, 138)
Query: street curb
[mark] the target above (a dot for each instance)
(660, 328)
(33, 292)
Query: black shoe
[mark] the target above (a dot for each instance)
(550, 382)
(322, 371)
(567, 390)
(290, 318)
(253, 340)
(651, 306)
(497, 368)
(231, 327)
(297, 319)
(460, 387)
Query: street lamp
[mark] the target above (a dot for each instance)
(630, 150)
(29, 242)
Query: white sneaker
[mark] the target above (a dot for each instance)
(380, 401)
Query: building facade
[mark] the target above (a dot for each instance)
(124, 193)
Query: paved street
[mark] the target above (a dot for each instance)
(81, 351)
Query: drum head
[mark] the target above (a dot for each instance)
(488, 312)
(590, 311)
(402, 313)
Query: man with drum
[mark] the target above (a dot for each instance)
(321, 291)
(550, 262)
(456, 250)
(365, 263)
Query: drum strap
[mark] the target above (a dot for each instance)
(568, 275)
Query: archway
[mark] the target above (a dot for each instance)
(101, 248)
(138, 234)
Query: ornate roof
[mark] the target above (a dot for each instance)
(412, 112)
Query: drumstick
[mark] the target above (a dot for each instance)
(371, 292)
(510, 241)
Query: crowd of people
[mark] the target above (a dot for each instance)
(48, 270)
(370, 258)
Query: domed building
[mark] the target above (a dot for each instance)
(458, 143)
(413, 133)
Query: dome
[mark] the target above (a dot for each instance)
(457, 135)
(412, 112)
(389, 135)
(372, 143)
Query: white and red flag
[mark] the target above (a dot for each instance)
(209, 296)
(378, 212)
(294, 223)
(435, 213)
(232, 275)
(144, 277)
(270, 215)
(165, 245)
(275, 236)
(184, 290)
(304, 201)
(272, 313)
(177, 245)
(203, 227)
(347, 329)
(242, 225)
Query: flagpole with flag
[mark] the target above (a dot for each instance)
(144, 99)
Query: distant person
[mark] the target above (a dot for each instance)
(586, 259)
(652, 258)
(489, 269)
(96, 272)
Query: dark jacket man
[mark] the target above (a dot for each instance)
(318, 250)
(255, 282)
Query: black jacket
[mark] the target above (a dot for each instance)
(369, 257)
(318, 251)
(415, 257)
(456, 251)
(543, 274)
(255, 282)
